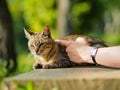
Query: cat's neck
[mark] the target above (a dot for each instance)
(53, 52)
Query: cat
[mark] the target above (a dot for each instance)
(48, 53)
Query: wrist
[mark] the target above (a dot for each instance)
(87, 58)
(93, 53)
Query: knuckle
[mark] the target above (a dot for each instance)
(67, 49)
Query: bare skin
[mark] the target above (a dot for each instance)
(79, 52)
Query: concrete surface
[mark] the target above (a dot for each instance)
(81, 78)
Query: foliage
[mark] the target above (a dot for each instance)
(111, 39)
(29, 86)
(2, 69)
(87, 17)
(35, 13)
(25, 62)
(38, 14)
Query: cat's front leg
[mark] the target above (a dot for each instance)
(48, 66)
(37, 66)
(59, 64)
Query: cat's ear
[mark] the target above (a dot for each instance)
(28, 33)
(46, 31)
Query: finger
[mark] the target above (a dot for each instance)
(81, 40)
(63, 42)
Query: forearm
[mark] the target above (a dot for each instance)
(109, 56)
(79, 52)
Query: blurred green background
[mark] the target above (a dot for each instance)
(99, 18)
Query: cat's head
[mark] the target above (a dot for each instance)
(39, 42)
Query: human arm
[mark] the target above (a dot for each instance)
(109, 56)
(79, 52)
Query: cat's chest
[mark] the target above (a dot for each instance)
(41, 60)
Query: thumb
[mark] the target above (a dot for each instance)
(63, 42)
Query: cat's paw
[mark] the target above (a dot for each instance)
(49, 66)
(37, 66)
(46, 67)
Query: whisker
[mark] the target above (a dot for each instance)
(29, 55)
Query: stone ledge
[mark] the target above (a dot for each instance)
(82, 78)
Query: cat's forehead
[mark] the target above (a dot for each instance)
(36, 41)
(38, 37)
(39, 34)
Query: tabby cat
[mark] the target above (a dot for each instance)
(48, 53)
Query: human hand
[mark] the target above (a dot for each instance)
(78, 51)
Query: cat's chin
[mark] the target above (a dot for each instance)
(34, 53)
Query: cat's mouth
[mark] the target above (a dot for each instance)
(37, 52)
(34, 53)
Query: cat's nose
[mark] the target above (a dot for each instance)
(36, 50)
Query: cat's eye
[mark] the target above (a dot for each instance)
(41, 44)
(31, 45)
